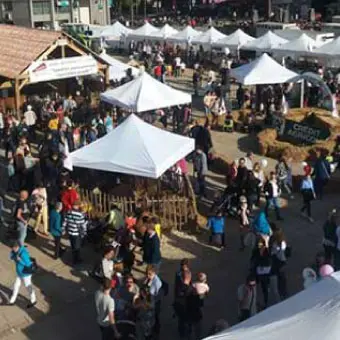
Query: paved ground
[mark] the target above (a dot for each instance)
(65, 308)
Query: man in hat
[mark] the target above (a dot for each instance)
(75, 224)
(30, 120)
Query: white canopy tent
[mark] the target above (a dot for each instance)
(265, 43)
(165, 32)
(300, 46)
(143, 32)
(117, 68)
(209, 37)
(312, 314)
(234, 41)
(134, 148)
(115, 31)
(329, 50)
(263, 70)
(185, 36)
(145, 93)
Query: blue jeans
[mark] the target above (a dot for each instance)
(274, 201)
(22, 232)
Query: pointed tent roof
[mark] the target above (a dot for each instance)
(303, 44)
(312, 314)
(164, 32)
(134, 148)
(143, 31)
(267, 42)
(331, 49)
(209, 37)
(145, 93)
(117, 68)
(184, 36)
(234, 40)
(115, 31)
(263, 70)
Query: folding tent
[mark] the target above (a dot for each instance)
(142, 32)
(209, 37)
(115, 31)
(117, 68)
(145, 93)
(134, 148)
(163, 33)
(299, 46)
(330, 50)
(263, 70)
(185, 36)
(312, 314)
(265, 43)
(235, 40)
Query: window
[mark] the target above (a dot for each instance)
(7, 6)
(41, 7)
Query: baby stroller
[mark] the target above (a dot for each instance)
(228, 125)
(227, 202)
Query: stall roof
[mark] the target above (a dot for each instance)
(20, 46)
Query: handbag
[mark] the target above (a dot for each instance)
(32, 268)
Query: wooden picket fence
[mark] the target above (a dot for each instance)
(173, 211)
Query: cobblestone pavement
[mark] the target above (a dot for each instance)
(65, 308)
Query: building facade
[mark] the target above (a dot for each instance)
(52, 13)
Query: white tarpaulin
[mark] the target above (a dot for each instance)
(63, 68)
(185, 36)
(145, 93)
(313, 314)
(143, 32)
(330, 50)
(163, 33)
(115, 31)
(263, 70)
(209, 37)
(265, 43)
(134, 148)
(234, 40)
(299, 46)
(117, 68)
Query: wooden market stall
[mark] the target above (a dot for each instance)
(25, 51)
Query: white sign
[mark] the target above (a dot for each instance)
(62, 68)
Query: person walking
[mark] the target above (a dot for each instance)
(247, 298)
(283, 173)
(322, 174)
(308, 195)
(272, 192)
(30, 119)
(329, 241)
(105, 307)
(56, 229)
(22, 216)
(152, 247)
(23, 263)
(75, 224)
(201, 170)
(216, 224)
(39, 196)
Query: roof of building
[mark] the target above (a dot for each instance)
(20, 46)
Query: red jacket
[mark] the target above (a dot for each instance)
(68, 197)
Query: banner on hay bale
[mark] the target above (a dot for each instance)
(299, 132)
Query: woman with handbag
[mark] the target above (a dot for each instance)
(308, 195)
(25, 266)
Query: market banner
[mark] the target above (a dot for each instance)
(63, 68)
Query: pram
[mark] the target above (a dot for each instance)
(227, 202)
(228, 125)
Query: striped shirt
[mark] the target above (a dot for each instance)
(75, 223)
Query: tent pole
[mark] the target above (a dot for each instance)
(302, 94)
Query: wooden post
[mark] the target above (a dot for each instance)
(107, 75)
(17, 96)
(63, 51)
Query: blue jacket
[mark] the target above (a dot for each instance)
(56, 226)
(261, 224)
(151, 249)
(216, 224)
(322, 169)
(22, 259)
